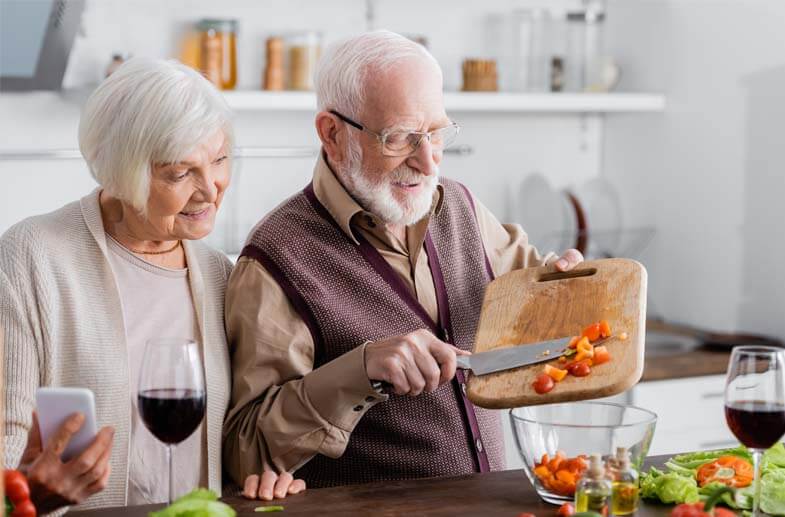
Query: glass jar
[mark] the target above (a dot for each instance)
(531, 51)
(584, 49)
(219, 51)
(302, 51)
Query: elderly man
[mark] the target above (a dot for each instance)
(374, 272)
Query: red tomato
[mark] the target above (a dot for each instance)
(24, 509)
(566, 510)
(579, 369)
(696, 510)
(543, 384)
(16, 487)
(593, 332)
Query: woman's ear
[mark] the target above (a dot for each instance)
(331, 132)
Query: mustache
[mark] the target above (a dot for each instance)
(405, 174)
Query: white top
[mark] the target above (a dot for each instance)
(63, 324)
(156, 304)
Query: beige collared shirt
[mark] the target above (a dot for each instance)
(283, 411)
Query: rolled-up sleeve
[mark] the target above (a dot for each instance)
(283, 412)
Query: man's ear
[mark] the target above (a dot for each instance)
(331, 132)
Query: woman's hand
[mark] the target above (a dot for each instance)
(269, 485)
(54, 484)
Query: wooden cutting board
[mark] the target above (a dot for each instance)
(535, 304)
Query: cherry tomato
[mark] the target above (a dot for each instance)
(566, 510)
(579, 369)
(24, 509)
(543, 384)
(16, 487)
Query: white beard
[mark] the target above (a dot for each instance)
(379, 199)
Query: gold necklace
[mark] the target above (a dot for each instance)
(138, 252)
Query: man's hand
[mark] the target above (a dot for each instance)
(569, 260)
(269, 485)
(412, 363)
(54, 484)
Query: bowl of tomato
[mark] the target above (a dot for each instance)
(556, 440)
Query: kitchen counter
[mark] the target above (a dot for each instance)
(505, 493)
(678, 365)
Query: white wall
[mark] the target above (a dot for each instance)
(507, 147)
(709, 172)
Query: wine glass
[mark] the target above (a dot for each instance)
(755, 402)
(171, 394)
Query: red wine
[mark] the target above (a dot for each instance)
(172, 415)
(756, 424)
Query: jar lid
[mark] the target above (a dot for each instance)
(217, 24)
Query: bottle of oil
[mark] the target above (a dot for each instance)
(593, 493)
(625, 484)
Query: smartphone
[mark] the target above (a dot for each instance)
(55, 405)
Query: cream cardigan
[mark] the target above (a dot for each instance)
(63, 325)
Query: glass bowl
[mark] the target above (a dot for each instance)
(578, 429)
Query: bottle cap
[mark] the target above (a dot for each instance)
(596, 467)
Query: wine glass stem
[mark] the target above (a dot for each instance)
(169, 459)
(756, 461)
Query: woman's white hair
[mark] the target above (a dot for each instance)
(345, 66)
(148, 111)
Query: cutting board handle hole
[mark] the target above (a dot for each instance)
(565, 275)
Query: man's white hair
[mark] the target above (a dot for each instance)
(345, 66)
(148, 111)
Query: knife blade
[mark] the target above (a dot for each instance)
(482, 363)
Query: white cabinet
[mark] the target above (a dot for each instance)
(691, 413)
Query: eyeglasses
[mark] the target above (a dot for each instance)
(403, 143)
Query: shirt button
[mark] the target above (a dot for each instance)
(478, 444)
(358, 408)
(369, 399)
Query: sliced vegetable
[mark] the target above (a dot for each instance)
(560, 474)
(623, 336)
(265, 509)
(601, 355)
(557, 374)
(585, 350)
(573, 342)
(543, 384)
(579, 369)
(605, 329)
(728, 470)
(592, 332)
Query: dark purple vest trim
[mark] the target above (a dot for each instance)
(444, 317)
(292, 294)
(374, 258)
(474, 209)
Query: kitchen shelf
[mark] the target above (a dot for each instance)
(475, 102)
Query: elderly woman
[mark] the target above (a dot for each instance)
(83, 288)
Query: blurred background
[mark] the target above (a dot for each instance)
(638, 128)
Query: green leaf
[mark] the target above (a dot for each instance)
(199, 503)
(669, 487)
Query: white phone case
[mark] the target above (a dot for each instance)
(55, 405)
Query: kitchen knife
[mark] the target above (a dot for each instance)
(507, 358)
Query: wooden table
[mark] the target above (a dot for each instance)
(506, 493)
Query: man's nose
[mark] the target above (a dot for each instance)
(424, 158)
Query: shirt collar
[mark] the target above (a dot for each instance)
(341, 205)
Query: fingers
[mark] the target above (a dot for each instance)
(282, 485)
(445, 356)
(428, 366)
(569, 260)
(98, 468)
(251, 486)
(297, 486)
(101, 483)
(59, 441)
(88, 459)
(266, 485)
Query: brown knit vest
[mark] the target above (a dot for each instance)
(347, 295)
